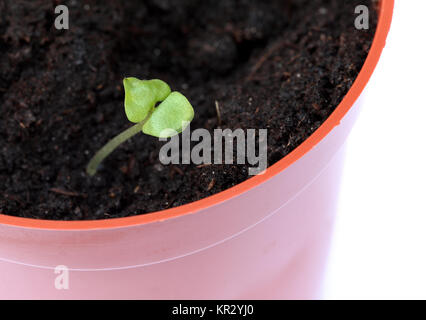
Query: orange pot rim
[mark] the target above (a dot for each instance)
(384, 22)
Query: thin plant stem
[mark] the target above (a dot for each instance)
(92, 167)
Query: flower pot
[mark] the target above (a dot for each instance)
(265, 238)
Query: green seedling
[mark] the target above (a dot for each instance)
(170, 117)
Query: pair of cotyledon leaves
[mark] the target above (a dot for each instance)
(169, 118)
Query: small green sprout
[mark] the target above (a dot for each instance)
(167, 119)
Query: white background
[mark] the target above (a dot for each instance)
(379, 247)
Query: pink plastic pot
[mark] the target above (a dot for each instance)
(266, 238)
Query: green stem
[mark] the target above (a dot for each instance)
(92, 167)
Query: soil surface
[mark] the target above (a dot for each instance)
(277, 65)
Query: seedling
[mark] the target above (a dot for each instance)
(167, 119)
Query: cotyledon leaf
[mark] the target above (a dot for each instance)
(170, 117)
(141, 96)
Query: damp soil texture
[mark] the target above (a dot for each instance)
(277, 65)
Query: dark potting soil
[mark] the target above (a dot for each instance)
(277, 65)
